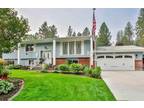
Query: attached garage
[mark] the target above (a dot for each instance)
(116, 62)
(120, 58)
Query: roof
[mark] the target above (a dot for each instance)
(115, 49)
(57, 39)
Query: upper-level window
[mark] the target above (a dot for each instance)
(71, 47)
(78, 47)
(65, 47)
(109, 56)
(29, 47)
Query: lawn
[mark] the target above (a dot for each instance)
(60, 87)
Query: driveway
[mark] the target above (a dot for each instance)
(125, 85)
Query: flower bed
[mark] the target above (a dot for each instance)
(17, 85)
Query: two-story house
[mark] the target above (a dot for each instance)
(80, 49)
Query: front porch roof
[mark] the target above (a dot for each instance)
(59, 39)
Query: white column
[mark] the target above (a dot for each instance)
(18, 54)
(91, 51)
(82, 47)
(75, 47)
(54, 52)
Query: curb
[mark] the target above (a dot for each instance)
(11, 98)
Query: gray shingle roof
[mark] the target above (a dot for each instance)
(109, 49)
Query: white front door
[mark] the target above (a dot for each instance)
(47, 57)
(116, 62)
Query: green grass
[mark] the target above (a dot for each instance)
(60, 87)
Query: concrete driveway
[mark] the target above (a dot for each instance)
(125, 85)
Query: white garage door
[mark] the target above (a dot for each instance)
(116, 62)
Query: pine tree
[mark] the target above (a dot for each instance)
(120, 35)
(46, 31)
(74, 34)
(69, 31)
(86, 32)
(104, 36)
(128, 33)
(79, 34)
(140, 29)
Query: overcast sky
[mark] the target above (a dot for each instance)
(79, 18)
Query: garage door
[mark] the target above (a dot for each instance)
(116, 62)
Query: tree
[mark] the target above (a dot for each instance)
(46, 31)
(43, 31)
(120, 35)
(13, 29)
(128, 33)
(79, 34)
(74, 34)
(140, 29)
(53, 31)
(70, 31)
(104, 36)
(86, 32)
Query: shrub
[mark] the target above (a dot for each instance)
(11, 66)
(2, 62)
(96, 72)
(63, 67)
(5, 86)
(45, 66)
(76, 68)
(87, 71)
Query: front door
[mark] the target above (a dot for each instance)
(47, 57)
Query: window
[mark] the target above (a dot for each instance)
(119, 56)
(70, 61)
(65, 48)
(109, 56)
(31, 62)
(29, 47)
(100, 57)
(128, 56)
(78, 47)
(71, 47)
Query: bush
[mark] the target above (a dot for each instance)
(63, 68)
(76, 68)
(5, 86)
(11, 66)
(45, 66)
(87, 71)
(96, 72)
(2, 62)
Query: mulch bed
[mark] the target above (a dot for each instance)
(17, 85)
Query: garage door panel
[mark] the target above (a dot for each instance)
(116, 63)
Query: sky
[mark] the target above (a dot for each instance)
(79, 18)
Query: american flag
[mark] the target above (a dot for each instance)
(94, 24)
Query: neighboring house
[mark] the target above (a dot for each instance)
(57, 51)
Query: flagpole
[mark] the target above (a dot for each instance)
(94, 36)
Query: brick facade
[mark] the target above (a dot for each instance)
(60, 61)
(138, 64)
(83, 61)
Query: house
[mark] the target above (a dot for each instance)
(60, 50)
